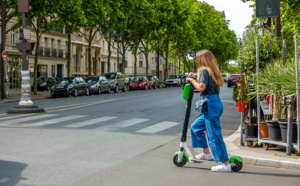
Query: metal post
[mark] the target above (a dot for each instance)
(284, 51)
(25, 86)
(2, 49)
(257, 96)
(242, 99)
(289, 127)
(271, 57)
(297, 88)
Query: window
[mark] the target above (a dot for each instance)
(160, 61)
(59, 44)
(52, 44)
(141, 63)
(152, 60)
(13, 39)
(53, 70)
(46, 42)
(103, 46)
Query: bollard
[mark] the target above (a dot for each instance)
(289, 127)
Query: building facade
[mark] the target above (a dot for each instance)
(53, 53)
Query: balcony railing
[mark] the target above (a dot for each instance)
(54, 53)
(41, 51)
(60, 53)
(47, 52)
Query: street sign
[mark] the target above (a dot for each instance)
(267, 8)
(23, 6)
(26, 34)
(4, 56)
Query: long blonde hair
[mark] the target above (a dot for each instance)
(205, 59)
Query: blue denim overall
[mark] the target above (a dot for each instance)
(210, 121)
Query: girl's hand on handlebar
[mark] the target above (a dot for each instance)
(188, 80)
(192, 75)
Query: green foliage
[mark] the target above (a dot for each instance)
(230, 69)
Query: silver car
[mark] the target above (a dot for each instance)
(172, 80)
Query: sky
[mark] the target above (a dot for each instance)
(238, 13)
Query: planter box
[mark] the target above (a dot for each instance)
(251, 130)
(274, 130)
(283, 127)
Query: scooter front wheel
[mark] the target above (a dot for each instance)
(179, 164)
(237, 166)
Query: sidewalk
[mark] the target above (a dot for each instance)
(273, 157)
(257, 155)
(15, 95)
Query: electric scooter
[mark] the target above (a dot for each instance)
(184, 154)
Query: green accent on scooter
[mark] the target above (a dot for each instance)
(239, 159)
(186, 156)
(186, 91)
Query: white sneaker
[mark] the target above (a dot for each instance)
(204, 156)
(222, 168)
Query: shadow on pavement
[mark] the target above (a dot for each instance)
(10, 172)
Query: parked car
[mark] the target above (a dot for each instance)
(155, 81)
(140, 83)
(182, 79)
(70, 86)
(97, 84)
(232, 79)
(127, 80)
(172, 80)
(224, 76)
(44, 83)
(116, 81)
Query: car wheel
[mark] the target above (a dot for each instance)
(52, 94)
(116, 89)
(228, 85)
(99, 90)
(124, 88)
(75, 92)
(87, 91)
(154, 86)
(159, 86)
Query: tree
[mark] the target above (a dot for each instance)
(41, 17)
(71, 16)
(95, 12)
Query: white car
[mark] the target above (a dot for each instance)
(172, 80)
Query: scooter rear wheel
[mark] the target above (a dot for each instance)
(179, 164)
(237, 166)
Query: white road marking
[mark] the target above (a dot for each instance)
(53, 121)
(158, 127)
(90, 122)
(35, 117)
(123, 124)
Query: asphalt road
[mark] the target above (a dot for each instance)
(89, 135)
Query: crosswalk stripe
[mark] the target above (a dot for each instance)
(158, 127)
(15, 116)
(15, 121)
(54, 121)
(123, 124)
(90, 122)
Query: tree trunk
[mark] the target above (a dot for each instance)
(123, 57)
(89, 52)
(69, 55)
(135, 61)
(109, 52)
(157, 64)
(167, 55)
(276, 109)
(36, 56)
(147, 61)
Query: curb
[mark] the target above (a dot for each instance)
(255, 158)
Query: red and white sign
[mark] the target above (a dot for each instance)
(4, 56)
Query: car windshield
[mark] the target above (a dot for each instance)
(234, 76)
(66, 80)
(224, 75)
(182, 76)
(111, 76)
(172, 77)
(136, 79)
(150, 77)
(90, 79)
(41, 79)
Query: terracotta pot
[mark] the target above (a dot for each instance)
(264, 132)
